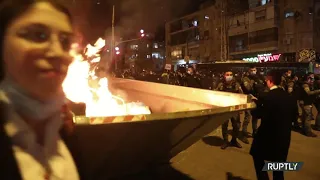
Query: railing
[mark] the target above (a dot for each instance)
(238, 49)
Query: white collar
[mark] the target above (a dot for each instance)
(273, 87)
(20, 132)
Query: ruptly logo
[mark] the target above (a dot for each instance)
(282, 166)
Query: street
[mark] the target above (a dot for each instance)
(206, 161)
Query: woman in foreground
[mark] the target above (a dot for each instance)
(35, 40)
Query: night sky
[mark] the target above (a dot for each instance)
(131, 15)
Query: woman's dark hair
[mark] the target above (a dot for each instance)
(12, 9)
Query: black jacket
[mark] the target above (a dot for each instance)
(272, 140)
(193, 81)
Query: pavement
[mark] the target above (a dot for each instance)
(206, 161)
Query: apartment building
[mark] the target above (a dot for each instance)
(275, 30)
(194, 38)
(145, 53)
(199, 37)
(254, 32)
(299, 30)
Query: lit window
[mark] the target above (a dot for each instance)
(135, 47)
(155, 55)
(155, 45)
(310, 10)
(195, 23)
(206, 17)
(147, 45)
(132, 56)
(176, 53)
(289, 14)
(148, 56)
(264, 2)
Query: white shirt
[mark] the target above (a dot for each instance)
(52, 161)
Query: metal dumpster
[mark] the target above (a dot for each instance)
(181, 116)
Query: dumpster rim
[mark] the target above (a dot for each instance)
(170, 115)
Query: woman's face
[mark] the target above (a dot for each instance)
(36, 50)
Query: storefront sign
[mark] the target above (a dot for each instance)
(307, 55)
(264, 58)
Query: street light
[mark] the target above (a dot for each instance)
(142, 33)
(117, 50)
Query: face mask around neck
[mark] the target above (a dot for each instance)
(30, 107)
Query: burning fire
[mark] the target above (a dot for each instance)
(100, 102)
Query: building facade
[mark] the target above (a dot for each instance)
(199, 37)
(158, 55)
(275, 30)
(254, 31)
(191, 37)
(144, 53)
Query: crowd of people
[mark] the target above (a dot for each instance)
(304, 88)
(278, 96)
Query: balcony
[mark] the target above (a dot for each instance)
(262, 24)
(259, 3)
(183, 24)
(233, 31)
(238, 49)
(263, 17)
(238, 24)
(258, 47)
(183, 37)
(265, 46)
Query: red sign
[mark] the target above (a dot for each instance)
(264, 58)
(268, 57)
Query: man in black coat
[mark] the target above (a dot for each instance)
(192, 80)
(272, 141)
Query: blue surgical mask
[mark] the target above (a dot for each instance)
(30, 107)
(229, 78)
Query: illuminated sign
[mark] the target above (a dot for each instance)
(264, 58)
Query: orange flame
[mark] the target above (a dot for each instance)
(99, 100)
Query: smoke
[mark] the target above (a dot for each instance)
(133, 15)
(130, 16)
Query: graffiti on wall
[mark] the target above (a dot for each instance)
(307, 55)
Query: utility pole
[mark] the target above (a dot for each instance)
(223, 32)
(112, 37)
